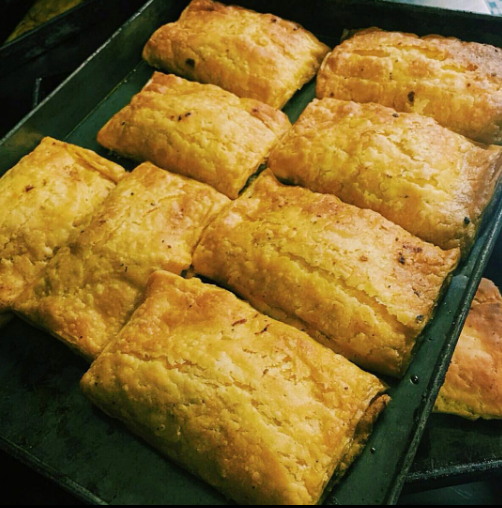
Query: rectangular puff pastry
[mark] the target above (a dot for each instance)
(196, 130)
(5, 318)
(254, 407)
(473, 386)
(359, 284)
(427, 179)
(457, 83)
(152, 220)
(253, 55)
(45, 200)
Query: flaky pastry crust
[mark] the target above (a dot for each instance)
(473, 386)
(196, 130)
(353, 280)
(254, 407)
(152, 220)
(259, 56)
(457, 83)
(427, 179)
(45, 200)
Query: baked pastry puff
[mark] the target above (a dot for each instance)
(354, 281)
(473, 386)
(195, 130)
(259, 56)
(457, 83)
(45, 201)
(434, 183)
(254, 407)
(152, 220)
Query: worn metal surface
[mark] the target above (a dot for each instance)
(43, 418)
(41, 39)
(454, 450)
(458, 5)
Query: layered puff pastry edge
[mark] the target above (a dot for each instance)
(254, 407)
(429, 180)
(351, 279)
(259, 56)
(151, 221)
(457, 83)
(45, 201)
(473, 386)
(199, 131)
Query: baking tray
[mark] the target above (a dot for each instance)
(454, 451)
(46, 422)
(37, 41)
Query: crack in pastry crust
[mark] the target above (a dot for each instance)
(432, 182)
(45, 201)
(353, 280)
(254, 407)
(259, 56)
(457, 83)
(152, 220)
(196, 130)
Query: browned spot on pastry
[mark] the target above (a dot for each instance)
(411, 97)
(241, 322)
(401, 259)
(28, 188)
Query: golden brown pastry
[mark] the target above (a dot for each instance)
(196, 130)
(473, 386)
(354, 281)
(152, 220)
(457, 83)
(253, 55)
(432, 182)
(45, 200)
(5, 318)
(42, 12)
(254, 407)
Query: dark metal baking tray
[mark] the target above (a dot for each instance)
(32, 44)
(453, 450)
(46, 422)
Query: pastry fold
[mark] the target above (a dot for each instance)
(46, 200)
(427, 179)
(354, 281)
(254, 407)
(253, 55)
(457, 83)
(196, 130)
(152, 220)
(473, 386)
(42, 12)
